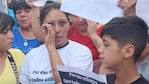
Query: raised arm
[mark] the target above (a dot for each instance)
(92, 31)
(36, 26)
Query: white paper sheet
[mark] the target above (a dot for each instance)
(79, 76)
(96, 10)
(41, 3)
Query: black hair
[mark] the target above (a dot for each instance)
(5, 21)
(48, 7)
(12, 4)
(20, 5)
(130, 29)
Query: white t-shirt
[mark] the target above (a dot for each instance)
(36, 68)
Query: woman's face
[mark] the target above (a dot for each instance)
(24, 18)
(60, 24)
(6, 38)
(80, 23)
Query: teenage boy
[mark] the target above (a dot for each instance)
(124, 39)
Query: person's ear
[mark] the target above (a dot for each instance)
(128, 50)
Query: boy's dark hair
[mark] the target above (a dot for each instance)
(48, 7)
(126, 30)
(20, 5)
(5, 21)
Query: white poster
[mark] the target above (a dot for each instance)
(41, 3)
(71, 75)
(96, 10)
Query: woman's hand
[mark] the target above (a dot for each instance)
(92, 27)
(49, 35)
(128, 6)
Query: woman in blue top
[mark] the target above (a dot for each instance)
(24, 38)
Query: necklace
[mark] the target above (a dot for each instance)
(25, 43)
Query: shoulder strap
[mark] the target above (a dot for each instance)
(13, 65)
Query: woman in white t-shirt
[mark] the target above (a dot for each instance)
(40, 63)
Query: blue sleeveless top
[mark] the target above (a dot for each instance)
(24, 45)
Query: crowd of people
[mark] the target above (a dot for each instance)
(34, 40)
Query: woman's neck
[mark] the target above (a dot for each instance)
(62, 45)
(26, 33)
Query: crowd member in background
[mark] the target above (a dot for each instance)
(24, 38)
(10, 59)
(40, 62)
(79, 33)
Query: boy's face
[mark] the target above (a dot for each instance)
(112, 53)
